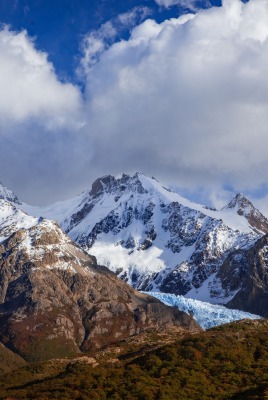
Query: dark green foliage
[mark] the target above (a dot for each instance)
(230, 362)
(9, 360)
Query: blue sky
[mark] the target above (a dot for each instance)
(176, 89)
(58, 26)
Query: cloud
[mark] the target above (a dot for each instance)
(186, 100)
(41, 145)
(131, 18)
(28, 84)
(261, 204)
(96, 42)
(193, 5)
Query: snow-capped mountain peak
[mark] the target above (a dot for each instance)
(157, 240)
(102, 184)
(243, 207)
(13, 219)
(241, 204)
(6, 194)
(138, 183)
(152, 237)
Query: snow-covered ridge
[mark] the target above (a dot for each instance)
(36, 238)
(152, 237)
(206, 314)
(57, 211)
(63, 210)
(8, 195)
(46, 245)
(155, 239)
(12, 219)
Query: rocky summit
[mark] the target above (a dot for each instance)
(6, 194)
(56, 301)
(156, 240)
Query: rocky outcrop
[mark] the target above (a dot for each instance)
(245, 208)
(245, 273)
(56, 301)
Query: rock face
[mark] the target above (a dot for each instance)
(156, 240)
(245, 272)
(245, 208)
(56, 301)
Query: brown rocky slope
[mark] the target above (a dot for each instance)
(56, 301)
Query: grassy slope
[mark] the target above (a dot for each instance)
(9, 360)
(228, 362)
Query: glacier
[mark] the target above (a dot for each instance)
(207, 315)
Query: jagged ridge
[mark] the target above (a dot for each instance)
(155, 239)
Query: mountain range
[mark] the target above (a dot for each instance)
(156, 240)
(60, 292)
(56, 301)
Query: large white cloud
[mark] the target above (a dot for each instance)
(28, 84)
(187, 100)
(41, 145)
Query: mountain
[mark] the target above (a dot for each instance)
(56, 301)
(13, 219)
(245, 273)
(156, 240)
(245, 208)
(6, 194)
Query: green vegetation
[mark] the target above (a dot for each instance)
(9, 360)
(228, 362)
